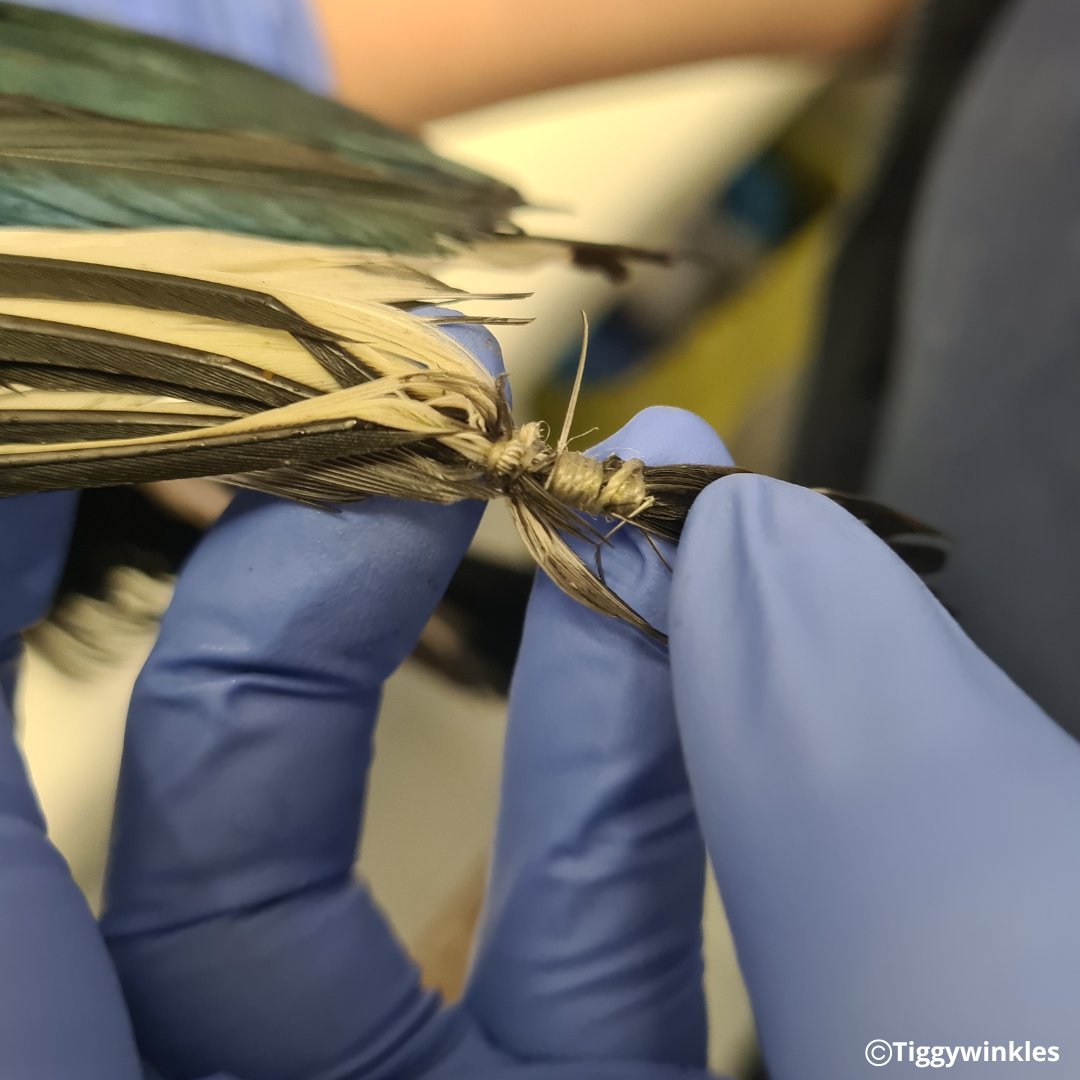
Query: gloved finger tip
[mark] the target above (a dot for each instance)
(775, 514)
(481, 344)
(475, 338)
(752, 540)
(735, 527)
(666, 435)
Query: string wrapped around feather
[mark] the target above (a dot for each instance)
(300, 371)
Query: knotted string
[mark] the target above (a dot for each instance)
(579, 481)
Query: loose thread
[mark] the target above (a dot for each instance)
(515, 456)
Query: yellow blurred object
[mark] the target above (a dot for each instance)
(732, 357)
(737, 362)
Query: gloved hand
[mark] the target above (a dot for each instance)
(232, 925)
(886, 812)
(892, 822)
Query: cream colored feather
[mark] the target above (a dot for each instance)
(293, 369)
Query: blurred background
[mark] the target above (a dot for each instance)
(742, 165)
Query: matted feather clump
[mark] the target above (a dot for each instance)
(299, 371)
(206, 271)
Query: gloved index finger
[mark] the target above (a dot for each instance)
(231, 911)
(590, 946)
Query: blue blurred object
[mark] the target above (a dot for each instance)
(752, 215)
(277, 35)
(761, 198)
(34, 532)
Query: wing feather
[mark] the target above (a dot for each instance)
(118, 370)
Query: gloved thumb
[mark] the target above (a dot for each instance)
(892, 821)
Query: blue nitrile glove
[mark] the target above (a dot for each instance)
(243, 944)
(34, 533)
(892, 822)
(60, 1003)
(278, 35)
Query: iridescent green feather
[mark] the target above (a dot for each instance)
(67, 167)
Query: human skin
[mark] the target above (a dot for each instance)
(411, 63)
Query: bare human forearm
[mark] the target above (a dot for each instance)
(413, 62)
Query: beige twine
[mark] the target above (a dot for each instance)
(574, 478)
